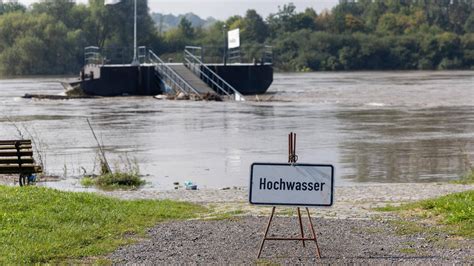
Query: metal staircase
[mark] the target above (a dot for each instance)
(194, 81)
(170, 77)
(192, 77)
(195, 64)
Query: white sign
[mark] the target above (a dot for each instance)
(233, 37)
(111, 2)
(286, 184)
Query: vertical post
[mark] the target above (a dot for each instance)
(135, 58)
(225, 44)
(18, 153)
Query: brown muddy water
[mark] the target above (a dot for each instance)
(373, 126)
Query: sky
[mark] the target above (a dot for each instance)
(222, 9)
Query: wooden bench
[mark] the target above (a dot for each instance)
(16, 157)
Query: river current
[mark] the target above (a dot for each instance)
(372, 126)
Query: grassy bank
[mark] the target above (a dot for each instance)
(46, 225)
(454, 212)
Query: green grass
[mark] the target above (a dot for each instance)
(455, 211)
(116, 180)
(39, 225)
(408, 250)
(230, 215)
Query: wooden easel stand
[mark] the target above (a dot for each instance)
(302, 238)
(292, 158)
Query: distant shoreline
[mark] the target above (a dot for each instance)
(67, 76)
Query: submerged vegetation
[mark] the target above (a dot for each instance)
(48, 37)
(115, 180)
(40, 225)
(467, 178)
(454, 213)
(125, 175)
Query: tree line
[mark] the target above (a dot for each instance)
(49, 37)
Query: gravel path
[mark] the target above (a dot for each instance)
(236, 241)
(347, 232)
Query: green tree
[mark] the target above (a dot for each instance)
(11, 7)
(186, 29)
(254, 28)
(469, 24)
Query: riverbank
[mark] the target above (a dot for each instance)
(357, 201)
(349, 232)
(351, 202)
(230, 230)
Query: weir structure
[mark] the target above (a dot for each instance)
(105, 74)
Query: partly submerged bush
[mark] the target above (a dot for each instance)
(116, 180)
(126, 176)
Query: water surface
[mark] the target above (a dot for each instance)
(373, 126)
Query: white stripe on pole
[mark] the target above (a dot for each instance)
(111, 2)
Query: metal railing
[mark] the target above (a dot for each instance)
(168, 75)
(92, 55)
(207, 75)
(267, 55)
(245, 54)
(112, 55)
(142, 55)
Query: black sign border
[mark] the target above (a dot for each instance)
(293, 204)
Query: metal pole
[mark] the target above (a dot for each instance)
(135, 57)
(225, 44)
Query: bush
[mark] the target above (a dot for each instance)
(119, 180)
(125, 177)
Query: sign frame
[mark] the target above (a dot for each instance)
(292, 204)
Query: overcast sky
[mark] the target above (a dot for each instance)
(222, 9)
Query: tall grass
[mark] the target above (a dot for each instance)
(124, 175)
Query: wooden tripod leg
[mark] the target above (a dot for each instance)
(301, 225)
(266, 232)
(314, 234)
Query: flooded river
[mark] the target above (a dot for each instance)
(373, 126)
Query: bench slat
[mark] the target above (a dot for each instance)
(16, 161)
(14, 153)
(15, 169)
(12, 142)
(10, 147)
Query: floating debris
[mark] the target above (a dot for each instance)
(54, 97)
(189, 185)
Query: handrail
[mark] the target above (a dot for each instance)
(268, 55)
(182, 85)
(228, 90)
